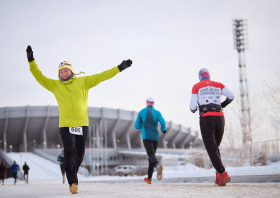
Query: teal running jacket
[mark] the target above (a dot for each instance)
(147, 120)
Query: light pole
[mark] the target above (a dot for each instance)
(98, 142)
(58, 147)
(106, 153)
(118, 142)
(11, 148)
(276, 123)
(84, 160)
(240, 34)
(34, 142)
(44, 143)
(20, 160)
(166, 142)
(20, 157)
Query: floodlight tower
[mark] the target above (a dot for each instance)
(240, 44)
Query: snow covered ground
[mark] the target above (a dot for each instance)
(140, 190)
(45, 181)
(42, 170)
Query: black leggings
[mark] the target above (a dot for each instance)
(74, 151)
(25, 176)
(151, 147)
(212, 131)
(62, 168)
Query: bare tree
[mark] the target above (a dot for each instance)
(272, 95)
(240, 140)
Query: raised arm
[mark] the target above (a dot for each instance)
(92, 81)
(41, 79)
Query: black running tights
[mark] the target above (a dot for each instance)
(151, 147)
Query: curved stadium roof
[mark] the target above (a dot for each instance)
(22, 127)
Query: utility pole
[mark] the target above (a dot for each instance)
(241, 44)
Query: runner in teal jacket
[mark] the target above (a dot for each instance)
(147, 120)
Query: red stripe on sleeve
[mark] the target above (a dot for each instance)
(194, 90)
(222, 86)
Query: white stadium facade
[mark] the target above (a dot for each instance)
(112, 135)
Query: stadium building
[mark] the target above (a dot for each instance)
(112, 140)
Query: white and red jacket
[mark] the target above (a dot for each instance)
(208, 93)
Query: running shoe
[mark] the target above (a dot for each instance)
(225, 178)
(218, 178)
(159, 171)
(74, 188)
(147, 180)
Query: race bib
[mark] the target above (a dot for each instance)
(207, 95)
(76, 130)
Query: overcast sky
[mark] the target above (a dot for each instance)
(169, 41)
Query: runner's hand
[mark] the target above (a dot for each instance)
(125, 64)
(29, 53)
(193, 111)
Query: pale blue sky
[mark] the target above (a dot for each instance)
(168, 41)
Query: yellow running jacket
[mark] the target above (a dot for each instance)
(72, 95)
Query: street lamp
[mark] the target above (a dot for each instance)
(58, 147)
(118, 142)
(44, 143)
(11, 148)
(166, 142)
(20, 157)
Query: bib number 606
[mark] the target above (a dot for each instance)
(76, 130)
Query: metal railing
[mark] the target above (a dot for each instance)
(258, 154)
(270, 148)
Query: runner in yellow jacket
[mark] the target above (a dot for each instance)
(71, 94)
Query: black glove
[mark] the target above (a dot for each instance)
(29, 53)
(164, 132)
(125, 64)
(193, 111)
(226, 102)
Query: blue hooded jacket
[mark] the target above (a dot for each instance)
(14, 168)
(61, 158)
(147, 120)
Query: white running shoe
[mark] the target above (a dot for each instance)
(159, 171)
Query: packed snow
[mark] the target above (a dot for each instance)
(40, 168)
(43, 169)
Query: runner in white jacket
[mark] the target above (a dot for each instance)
(207, 94)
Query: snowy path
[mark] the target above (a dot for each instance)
(40, 168)
(141, 190)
